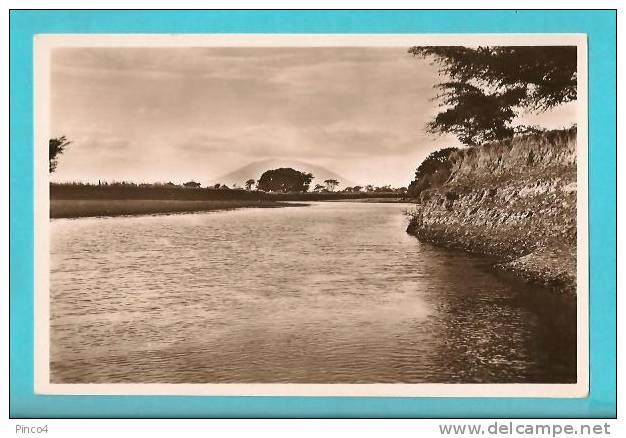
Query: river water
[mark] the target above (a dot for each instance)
(333, 292)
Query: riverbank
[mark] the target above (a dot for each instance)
(63, 208)
(123, 199)
(393, 200)
(515, 200)
(124, 191)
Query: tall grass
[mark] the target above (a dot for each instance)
(126, 190)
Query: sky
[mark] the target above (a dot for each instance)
(177, 114)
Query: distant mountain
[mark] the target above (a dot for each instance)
(255, 170)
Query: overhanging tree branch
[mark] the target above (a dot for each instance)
(485, 87)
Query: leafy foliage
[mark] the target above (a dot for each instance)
(56, 148)
(432, 172)
(331, 184)
(355, 189)
(249, 183)
(487, 86)
(473, 116)
(284, 179)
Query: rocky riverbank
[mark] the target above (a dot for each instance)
(515, 200)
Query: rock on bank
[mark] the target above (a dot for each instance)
(515, 200)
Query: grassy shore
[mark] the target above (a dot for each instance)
(64, 208)
(85, 200)
(120, 191)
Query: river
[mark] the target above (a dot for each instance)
(334, 292)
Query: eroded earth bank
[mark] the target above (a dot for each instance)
(515, 200)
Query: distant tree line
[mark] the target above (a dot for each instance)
(282, 180)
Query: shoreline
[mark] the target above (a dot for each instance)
(73, 209)
(398, 200)
(552, 266)
(77, 208)
(513, 200)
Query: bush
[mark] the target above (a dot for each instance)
(432, 172)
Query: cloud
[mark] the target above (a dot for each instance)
(159, 113)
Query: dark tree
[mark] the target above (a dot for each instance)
(433, 171)
(284, 179)
(249, 184)
(473, 116)
(486, 87)
(318, 188)
(57, 146)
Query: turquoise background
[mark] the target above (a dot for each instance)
(601, 29)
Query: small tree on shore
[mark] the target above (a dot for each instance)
(331, 184)
(56, 147)
(249, 184)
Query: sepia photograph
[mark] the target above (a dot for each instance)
(371, 215)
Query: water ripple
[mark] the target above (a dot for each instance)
(336, 292)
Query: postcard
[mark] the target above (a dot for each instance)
(317, 215)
